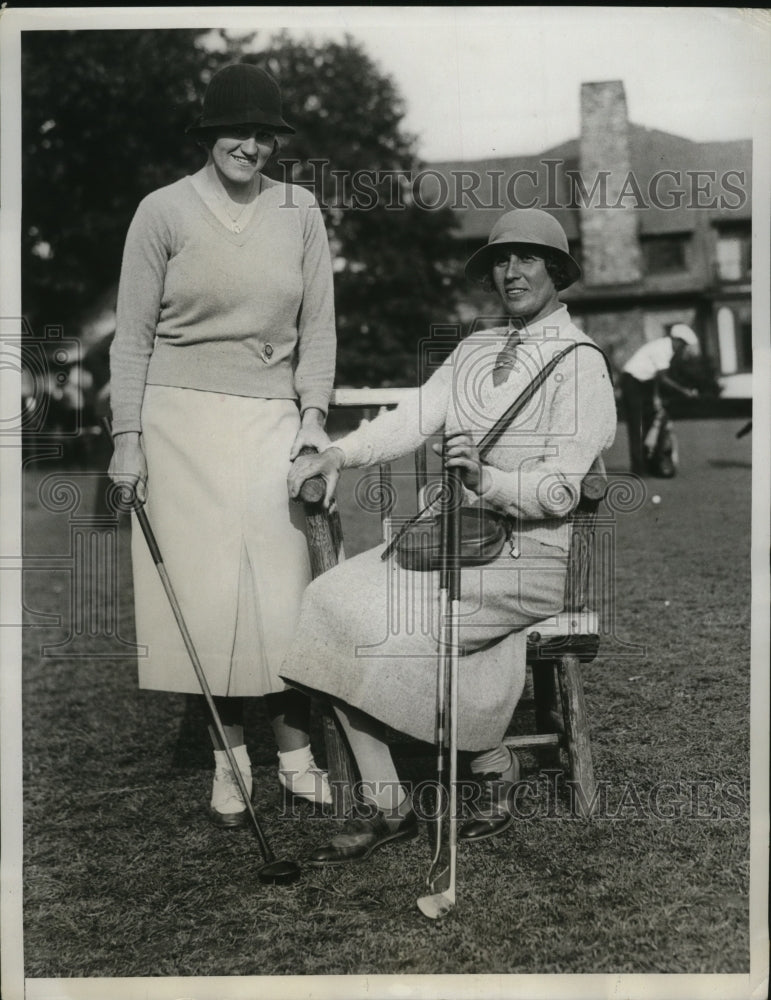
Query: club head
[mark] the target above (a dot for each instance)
(436, 906)
(279, 873)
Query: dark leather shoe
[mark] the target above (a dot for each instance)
(360, 837)
(228, 820)
(492, 812)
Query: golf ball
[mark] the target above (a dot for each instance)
(655, 498)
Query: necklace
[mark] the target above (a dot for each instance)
(235, 220)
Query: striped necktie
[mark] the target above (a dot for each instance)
(507, 359)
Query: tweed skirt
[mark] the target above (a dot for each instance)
(368, 636)
(232, 542)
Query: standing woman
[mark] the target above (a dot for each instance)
(222, 368)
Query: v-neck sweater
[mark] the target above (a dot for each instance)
(202, 307)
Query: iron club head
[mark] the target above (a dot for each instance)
(437, 905)
(279, 873)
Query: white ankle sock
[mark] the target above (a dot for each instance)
(241, 755)
(297, 771)
(297, 761)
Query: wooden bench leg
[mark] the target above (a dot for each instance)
(577, 734)
(325, 548)
(546, 705)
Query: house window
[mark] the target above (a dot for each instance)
(734, 262)
(734, 335)
(664, 254)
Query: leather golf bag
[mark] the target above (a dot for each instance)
(661, 447)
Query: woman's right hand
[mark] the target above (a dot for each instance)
(327, 463)
(128, 466)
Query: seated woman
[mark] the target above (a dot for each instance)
(367, 635)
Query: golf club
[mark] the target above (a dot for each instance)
(440, 863)
(274, 871)
(442, 873)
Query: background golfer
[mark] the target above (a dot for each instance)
(643, 375)
(222, 368)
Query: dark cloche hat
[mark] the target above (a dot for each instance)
(528, 226)
(241, 94)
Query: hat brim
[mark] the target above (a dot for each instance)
(276, 124)
(479, 264)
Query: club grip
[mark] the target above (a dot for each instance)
(147, 531)
(454, 534)
(312, 490)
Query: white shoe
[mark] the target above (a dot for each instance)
(311, 784)
(227, 805)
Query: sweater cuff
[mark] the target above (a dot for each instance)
(356, 454)
(538, 494)
(314, 400)
(126, 425)
(496, 494)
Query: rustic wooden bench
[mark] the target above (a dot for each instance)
(556, 647)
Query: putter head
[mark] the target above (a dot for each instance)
(279, 873)
(437, 905)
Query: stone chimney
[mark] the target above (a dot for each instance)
(609, 235)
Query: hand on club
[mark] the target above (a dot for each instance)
(311, 434)
(461, 453)
(327, 464)
(128, 466)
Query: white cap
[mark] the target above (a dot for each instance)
(682, 332)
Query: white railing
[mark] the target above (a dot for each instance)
(372, 401)
(370, 397)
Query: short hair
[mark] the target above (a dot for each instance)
(557, 271)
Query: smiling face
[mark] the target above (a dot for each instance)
(241, 151)
(525, 287)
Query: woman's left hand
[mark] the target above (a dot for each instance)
(327, 464)
(311, 434)
(462, 453)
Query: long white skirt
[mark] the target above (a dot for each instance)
(232, 542)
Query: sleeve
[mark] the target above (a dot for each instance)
(582, 424)
(315, 370)
(400, 431)
(140, 292)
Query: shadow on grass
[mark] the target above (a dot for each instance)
(728, 463)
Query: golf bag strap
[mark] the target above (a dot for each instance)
(500, 425)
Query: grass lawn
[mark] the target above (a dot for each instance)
(124, 876)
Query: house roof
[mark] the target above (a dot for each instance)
(544, 178)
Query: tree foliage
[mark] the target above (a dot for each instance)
(104, 114)
(103, 117)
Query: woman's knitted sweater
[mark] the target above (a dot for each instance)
(536, 467)
(201, 307)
